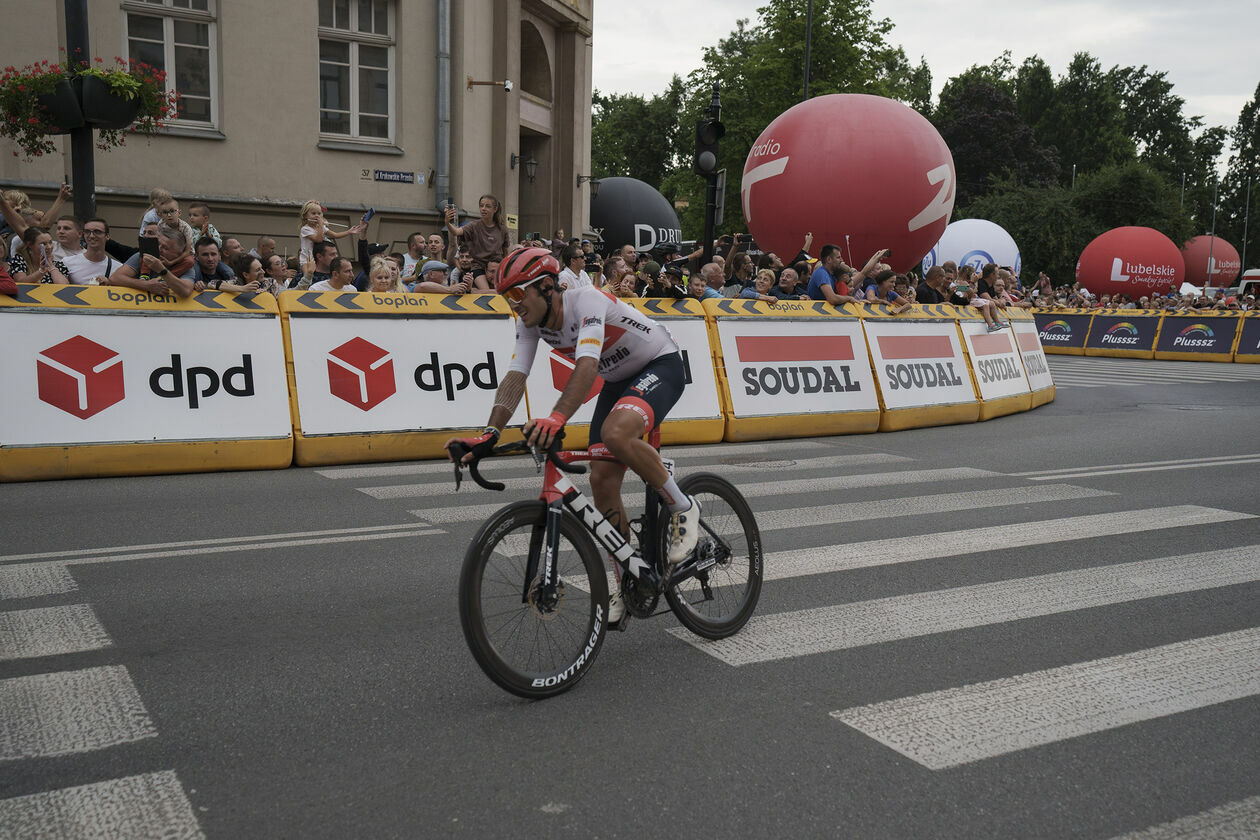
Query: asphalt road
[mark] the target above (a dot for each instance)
(1046, 625)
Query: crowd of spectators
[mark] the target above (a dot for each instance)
(184, 256)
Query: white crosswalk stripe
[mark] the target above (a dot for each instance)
(1232, 821)
(50, 631)
(826, 463)
(805, 632)
(151, 805)
(678, 453)
(34, 580)
(1105, 371)
(955, 726)
(750, 490)
(70, 712)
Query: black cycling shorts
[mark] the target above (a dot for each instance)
(650, 393)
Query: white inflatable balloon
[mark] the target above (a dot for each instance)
(974, 242)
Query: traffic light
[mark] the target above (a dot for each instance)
(708, 132)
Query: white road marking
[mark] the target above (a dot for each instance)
(806, 632)
(416, 531)
(1091, 473)
(50, 631)
(678, 453)
(152, 805)
(750, 490)
(446, 488)
(83, 552)
(35, 580)
(860, 555)
(1232, 821)
(943, 729)
(1209, 459)
(70, 712)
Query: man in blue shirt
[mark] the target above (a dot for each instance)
(826, 283)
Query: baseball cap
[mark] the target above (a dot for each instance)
(674, 270)
(652, 269)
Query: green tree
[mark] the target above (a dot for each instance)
(1085, 121)
(1244, 164)
(1045, 224)
(1034, 90)
(635, 136)
(979, 120)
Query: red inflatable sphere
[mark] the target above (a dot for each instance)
(1211, 263)
(1131, 261)
(852, 166)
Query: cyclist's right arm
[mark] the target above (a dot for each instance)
(506, 398)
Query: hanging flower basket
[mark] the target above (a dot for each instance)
(45, 99)
(62, 108)
(105, 108)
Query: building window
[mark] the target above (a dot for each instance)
(356, 69)
(178, 37)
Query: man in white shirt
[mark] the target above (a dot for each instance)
(91, 265)
(573, 275)
(68, 239)
(340, 277)
(415, 255)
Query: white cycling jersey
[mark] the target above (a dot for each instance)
(597, 325)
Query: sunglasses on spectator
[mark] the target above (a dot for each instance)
(516, 294)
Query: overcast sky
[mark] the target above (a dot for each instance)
(1209, 48)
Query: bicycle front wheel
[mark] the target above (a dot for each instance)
(720, 598)
(532, 642)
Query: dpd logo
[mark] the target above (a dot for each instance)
(361, 373)
(80, 377)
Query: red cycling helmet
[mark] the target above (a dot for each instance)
(524, 266)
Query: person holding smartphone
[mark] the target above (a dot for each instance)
(486, 238)
(34, 261)
(163, 265)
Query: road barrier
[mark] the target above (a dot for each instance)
(794, 369)
(1064, 331)
(391, 376)
(1247, 350)
(1024, 327)
(1126, 333)
(1198, 336)
(997, 368)
(919, 366)
(696, 418)
(125, 382)
(112, 381)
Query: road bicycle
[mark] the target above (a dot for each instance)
(533, 592)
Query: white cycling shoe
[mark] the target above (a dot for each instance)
(684, 532)
(616, 609)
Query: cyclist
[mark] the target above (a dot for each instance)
(643, 378)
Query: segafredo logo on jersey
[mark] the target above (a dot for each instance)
(1121, 333)
(1060, 331)
(932, 366)
(1195, 335)
(813, 367)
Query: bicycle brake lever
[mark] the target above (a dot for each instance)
(459, 475)
(539, 458)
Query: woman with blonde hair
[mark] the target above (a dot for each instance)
(485, 238)
(383, 276)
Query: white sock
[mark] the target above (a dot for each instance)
(674, 498)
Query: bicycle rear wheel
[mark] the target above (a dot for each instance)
(721, 597)
(530, 645)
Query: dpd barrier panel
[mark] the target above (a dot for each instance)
(107, 380)
(391, 376)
